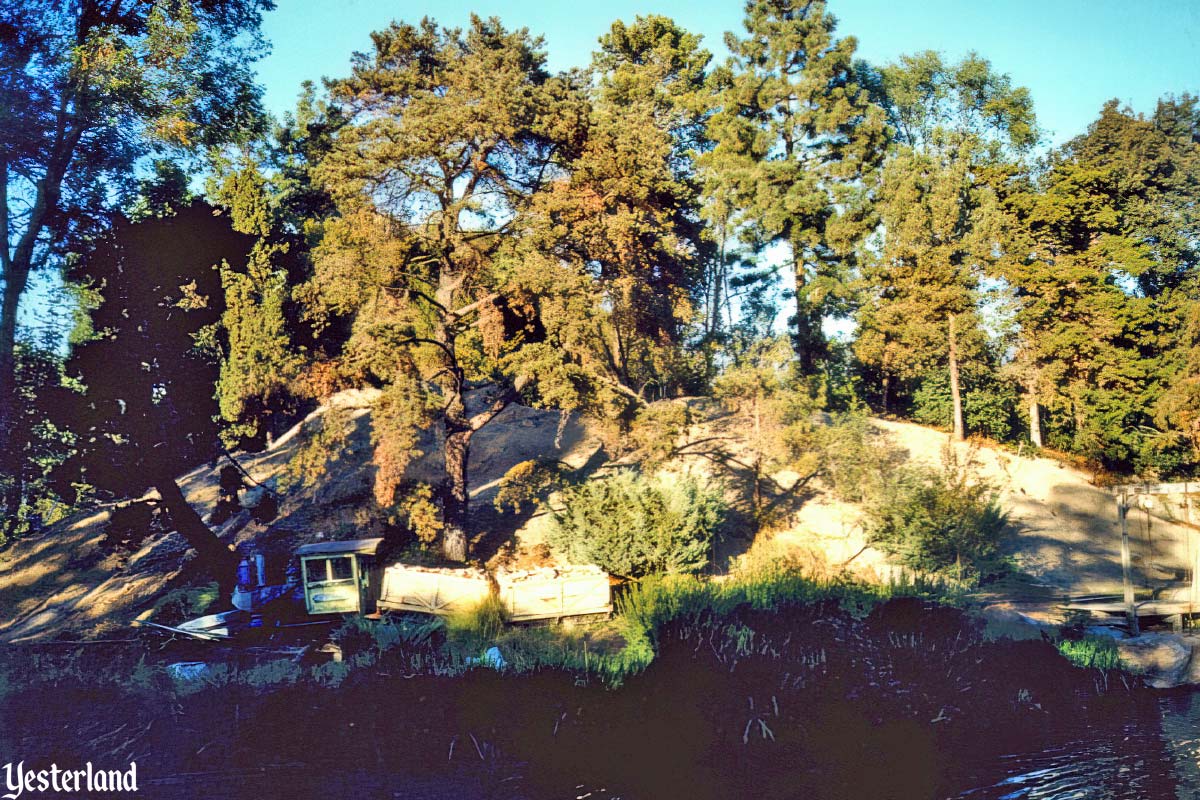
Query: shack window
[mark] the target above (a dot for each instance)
(341, 569)
(328, 570)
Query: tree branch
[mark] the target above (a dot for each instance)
(507, 396)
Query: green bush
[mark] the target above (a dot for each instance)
(634, 526)
(990, 405)
(856, 456)
(185, 602)
(934, 521)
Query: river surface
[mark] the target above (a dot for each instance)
(1134, 761)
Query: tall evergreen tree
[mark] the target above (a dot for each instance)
(623, 231)
(1111, 276)
(960, 131)
(260, 364)
(451, 132)
(795, 135)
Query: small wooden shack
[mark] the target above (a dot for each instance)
(339, 576)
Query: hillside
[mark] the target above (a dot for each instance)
(63, 584)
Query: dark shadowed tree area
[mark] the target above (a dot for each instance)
(146, 412)
(88, 90)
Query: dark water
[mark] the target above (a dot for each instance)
(1138, 760)
(909, 703)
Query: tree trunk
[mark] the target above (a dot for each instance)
(454, 496)
(1035, 420)
(15, 278)
(955, 390)
(215, 556)
(805, 338)
(456, 500)
(808, 339)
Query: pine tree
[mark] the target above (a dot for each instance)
(260, 364)
(449, 134)
(622, 231)
(1105, 294)
(796, 135)
(959, 131)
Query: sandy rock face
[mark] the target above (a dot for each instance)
(1160, 657)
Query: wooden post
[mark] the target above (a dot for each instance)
(1195, 551)
(1130, 607)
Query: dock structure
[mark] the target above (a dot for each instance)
(1115, 607)
(1143, 494)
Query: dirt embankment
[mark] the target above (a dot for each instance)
(1065, 528)
(63, 583)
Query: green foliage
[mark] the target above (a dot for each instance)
(960, 129)
(1092, 652)
(945, 521)
(856, 457)
(990, 403)
(90, 92)
(631, 525)
(529, 482)
(550, 261)
(472, 631)
(420, 514)
(657, 430)
(259, 365)
(39, 443)
(643, 608)
(776, 404)
(796, 136)
(1105, 284)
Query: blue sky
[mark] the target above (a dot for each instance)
(1072, 54)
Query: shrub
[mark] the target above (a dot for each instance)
(990, 405)
(855, 456)
(938, 521)
(634, 526)
(184, 602)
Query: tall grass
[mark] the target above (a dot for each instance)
(647, 606)
(1092, 652)
(473, 630)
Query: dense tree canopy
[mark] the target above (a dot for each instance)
(146, 412)
(796, 134)
(87, 88)
(455, 225)
(959, 132)
(1111, 278)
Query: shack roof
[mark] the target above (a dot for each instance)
(359, 546)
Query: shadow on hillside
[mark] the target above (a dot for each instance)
(1080, 550)
(494, 528)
